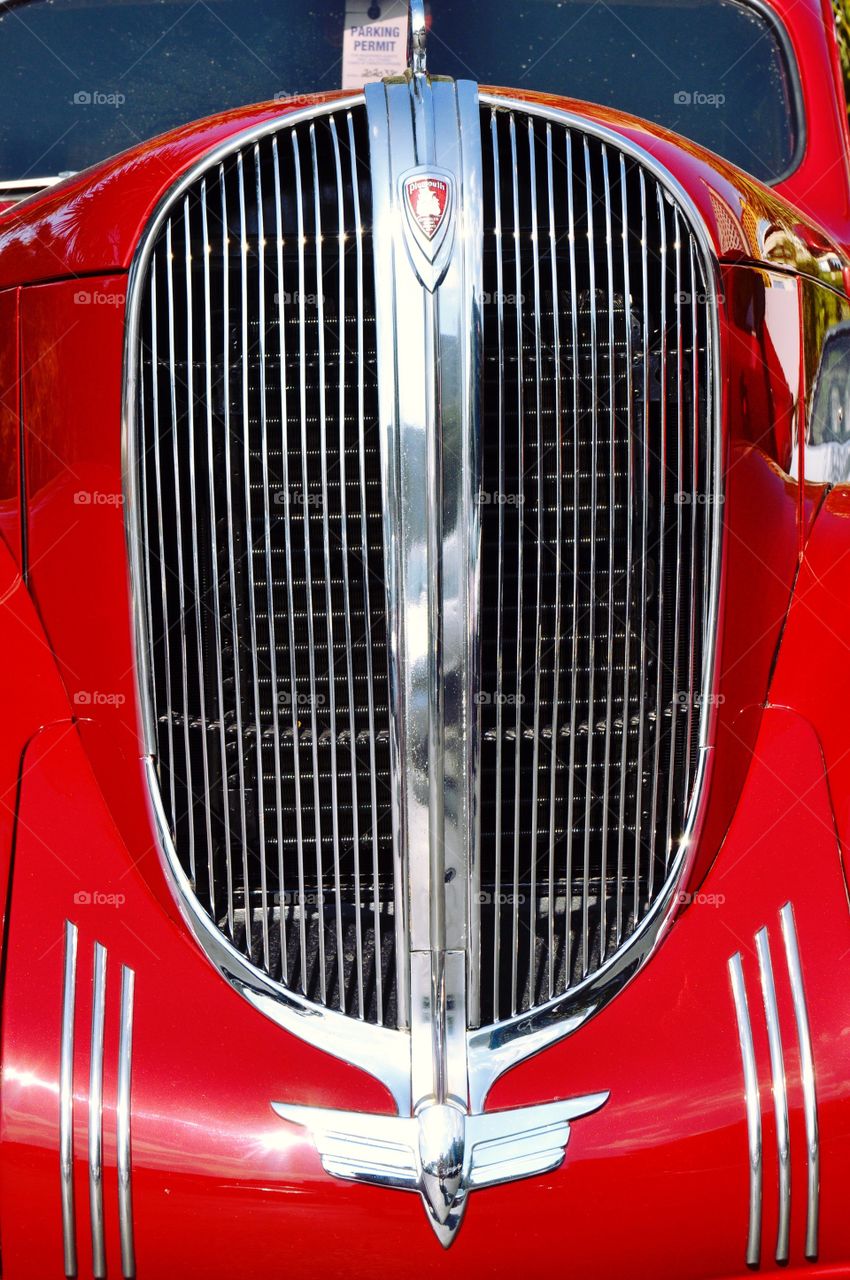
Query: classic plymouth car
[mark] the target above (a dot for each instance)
(425, 622)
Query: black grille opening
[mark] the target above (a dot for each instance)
(260, 465)
(596, 513)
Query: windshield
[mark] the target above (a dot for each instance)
(83, 79)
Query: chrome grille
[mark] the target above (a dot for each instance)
(263, 528)
(259, 468)
(598, 492)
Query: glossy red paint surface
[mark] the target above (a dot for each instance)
(222, 1187)
(10, 422)
(31, 694)
(655, 1184)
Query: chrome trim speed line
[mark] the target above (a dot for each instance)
(753, 1105)
(123, 1112)
(96, 1114)
(66, 1100)
(807, 1076)
(780, 1094)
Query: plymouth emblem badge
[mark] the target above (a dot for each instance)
(427, 199)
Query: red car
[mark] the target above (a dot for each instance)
(425, 615)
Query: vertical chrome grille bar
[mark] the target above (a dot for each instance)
(630, 508)
(559, 501)
(538, 600)
(244, 356)
(193, 509)
(753, 1106)
(807, 1077)
(364, 555)
(662, 524)
(66, 1101)
(181, 576)
(144, 451)
(123, 1112)
(346, 585)
(574, 636)
(308, 571)
(269, 577)
(644, 542)
(696, 429)
(675, 709)
(166, 623)
(290, 597)
(520, 566)
(591, 644)
(213, 532)
(96, 1114)
(323, 450)
(231, 550)
(612, 471)
(780, 1095)
(500, 666)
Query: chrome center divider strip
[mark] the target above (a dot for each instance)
(428, 307)
(66, 1100)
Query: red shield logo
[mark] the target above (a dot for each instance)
(427, 202)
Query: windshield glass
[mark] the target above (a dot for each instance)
(83, 79)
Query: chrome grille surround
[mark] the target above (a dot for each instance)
(425, 1051)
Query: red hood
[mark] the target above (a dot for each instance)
(91, 223)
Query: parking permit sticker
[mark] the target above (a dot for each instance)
(374, 42)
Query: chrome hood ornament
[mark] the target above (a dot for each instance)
(442, 1153)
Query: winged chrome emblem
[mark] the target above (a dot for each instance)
(442, 1153)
